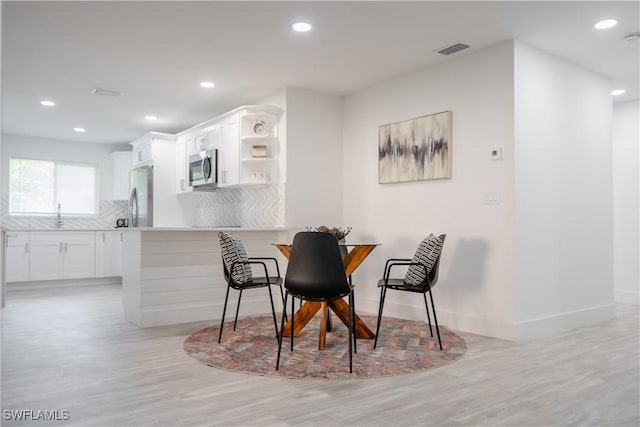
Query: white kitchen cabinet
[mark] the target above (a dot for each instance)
(120, 166)
(202, 142)
(229, 153)
(17, 256)
(61, 255)
(182, 165)
(143, 147)
(142, 150)
(108, 253)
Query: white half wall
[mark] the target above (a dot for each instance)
(474, 292)
(626, 192)
(563, 244)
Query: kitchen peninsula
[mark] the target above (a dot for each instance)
(174, 275)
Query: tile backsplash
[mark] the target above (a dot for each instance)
(251, 207)
(108, 212)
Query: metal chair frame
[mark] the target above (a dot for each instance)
(400, 285)
(255, 282)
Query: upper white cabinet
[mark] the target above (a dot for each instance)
(247, 140)
(120, 167)
(17, 256)
(228, 153)
(144, 147)
(182, 165)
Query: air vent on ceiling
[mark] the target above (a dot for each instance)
(105, 92)
(632, 37)
(451, 49)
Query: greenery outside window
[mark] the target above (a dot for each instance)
(36, 187)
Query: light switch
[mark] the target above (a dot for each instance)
(496, 153)
(490, 198)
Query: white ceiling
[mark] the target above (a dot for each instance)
(156, 53)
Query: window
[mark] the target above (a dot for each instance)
(36, 187)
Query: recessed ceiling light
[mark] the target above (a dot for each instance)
(207, 85)
(606, 23)
(151, 117)
(48, 103)
(80, 130)
(617, 92)
(301, 27)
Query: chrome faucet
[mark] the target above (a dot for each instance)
(59, 222)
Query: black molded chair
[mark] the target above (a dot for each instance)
(238, 274)
(316, 273)
(421, 277)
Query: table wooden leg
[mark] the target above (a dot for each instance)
(323, 326)
(341, 309)
(301, 318)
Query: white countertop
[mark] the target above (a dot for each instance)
(203, 229)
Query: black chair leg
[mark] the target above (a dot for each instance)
(426, 305)
(435, 319)
(281, 333)
(235, 322)
(224, 311)
(351, 334)
(352, 319)
(293, 302)
(273, 311)
(284, 304)
(383, 292)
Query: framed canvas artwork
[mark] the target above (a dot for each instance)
(415, 150)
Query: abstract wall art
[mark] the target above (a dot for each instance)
(415, 150)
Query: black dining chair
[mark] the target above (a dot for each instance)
(239, 275)
(316, 273)
(421, 277)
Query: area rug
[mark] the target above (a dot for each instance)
(404, 347)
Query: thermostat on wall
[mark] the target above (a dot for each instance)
(496, 153)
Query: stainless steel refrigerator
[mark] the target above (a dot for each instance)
(141, 197)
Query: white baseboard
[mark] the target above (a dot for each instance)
(48, 284)
(627, 297)
(455, 321)
(549, 325)
(506, 330)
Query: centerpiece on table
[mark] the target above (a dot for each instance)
(339, 232)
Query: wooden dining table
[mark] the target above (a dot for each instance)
(356, 254)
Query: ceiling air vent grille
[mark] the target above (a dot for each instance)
(105, 92)
(448, 50)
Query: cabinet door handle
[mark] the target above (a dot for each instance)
(26, 248)
(60, 246)
(65, 246)
(103, 237)
(121, 236)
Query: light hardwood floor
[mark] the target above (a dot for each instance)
(70, 349)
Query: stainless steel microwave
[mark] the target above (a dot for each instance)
(203, 170)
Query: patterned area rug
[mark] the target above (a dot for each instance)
(404, 347)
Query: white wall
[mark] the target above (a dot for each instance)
(563, 267)
(626, 191)
(314, 159)
(474, 292)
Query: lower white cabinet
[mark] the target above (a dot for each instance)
(54, 255)
(17, 256)
(108, 253)
(61, 255)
